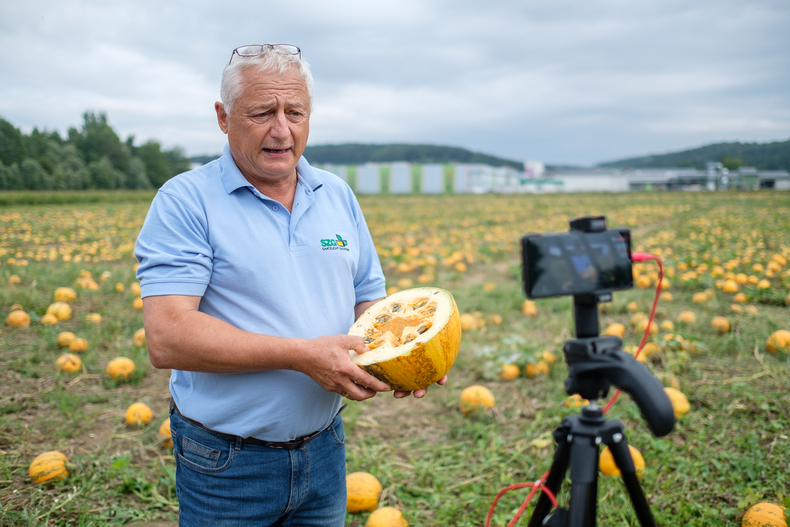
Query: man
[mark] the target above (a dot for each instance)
(251, 315)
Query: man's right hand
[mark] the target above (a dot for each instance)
(327, 362)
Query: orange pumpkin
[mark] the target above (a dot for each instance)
(49, 466)
(362, 492)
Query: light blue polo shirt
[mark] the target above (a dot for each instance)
(210, 233)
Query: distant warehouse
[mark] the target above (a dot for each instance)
(463, 178)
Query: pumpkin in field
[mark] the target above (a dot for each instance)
(78, 345)
(778, 341)
(509, 372)
(65, 294)
(49, 466)
(575, 401)
(165, 435)
(616, 330)
(680, 404)
(476, 398)
(93, 318)
(764, 515)
(17, 319)
(120, 368)
(536, 369)
(137, 303)
(720, 324)
(49, 320)
(139, 338)
(61, 310)
(687, 317)
(386, 517)
(69, 363)
(413, 336)
(138, 414)
(362, 492)
(468, 322)
(65, 338)
(607, 465)
(529, 308)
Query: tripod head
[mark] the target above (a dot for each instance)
(595, 363)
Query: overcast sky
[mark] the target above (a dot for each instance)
(559, 81)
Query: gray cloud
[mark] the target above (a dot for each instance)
(559, 81)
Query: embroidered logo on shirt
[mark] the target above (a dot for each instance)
(333, 245)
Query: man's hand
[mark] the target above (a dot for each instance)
(418, 394)
(327, 362)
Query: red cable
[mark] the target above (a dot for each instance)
(643, 257)
(538, 485)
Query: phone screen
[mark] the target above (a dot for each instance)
(575, 263)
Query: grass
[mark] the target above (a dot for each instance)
(439, 467)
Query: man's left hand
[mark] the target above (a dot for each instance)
(418, 394)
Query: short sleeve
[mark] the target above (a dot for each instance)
(369, 282)
(173, 249)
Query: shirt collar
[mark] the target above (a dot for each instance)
(233, 179)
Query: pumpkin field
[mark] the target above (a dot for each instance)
(721, 337)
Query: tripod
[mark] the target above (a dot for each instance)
(594, 364)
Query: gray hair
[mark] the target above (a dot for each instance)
(268, 61)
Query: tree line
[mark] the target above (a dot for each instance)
(91, 157)
(357, 154)
(764, 156)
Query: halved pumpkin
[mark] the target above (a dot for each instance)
(413, 335)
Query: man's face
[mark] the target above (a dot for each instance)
(268, 125)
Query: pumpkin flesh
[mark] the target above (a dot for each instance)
(413, 335)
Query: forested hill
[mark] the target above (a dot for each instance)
(764, 156)
(357, 154)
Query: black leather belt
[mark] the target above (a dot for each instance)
(287, 445)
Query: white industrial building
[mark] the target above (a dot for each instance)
(461, 178)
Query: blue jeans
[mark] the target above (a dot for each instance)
(221, 483)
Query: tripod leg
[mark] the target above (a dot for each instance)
(623, 460)
(584, 483)
(559, 467)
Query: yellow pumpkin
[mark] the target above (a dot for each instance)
(165, 435)
(730, 286)
(468, 322)
(386, 517)
(17, 319)
(536, 369)
(413, 336)
(362, 492)
(65, 294)
(69, 363)
(120, 368)
(138, 414)
(139, 338)
(687, 317)
(65, 338)
(476, 398)
(778, 341)
(529, 308)
(680, 404)
(720, 324)
(607, 465)
(509, 372)
(137, 303)
(78, 345)
(616, 329)
(49, 466)
(764, 515)
(61, 310)
(576, 400)
(49, 320)
(93, 318)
